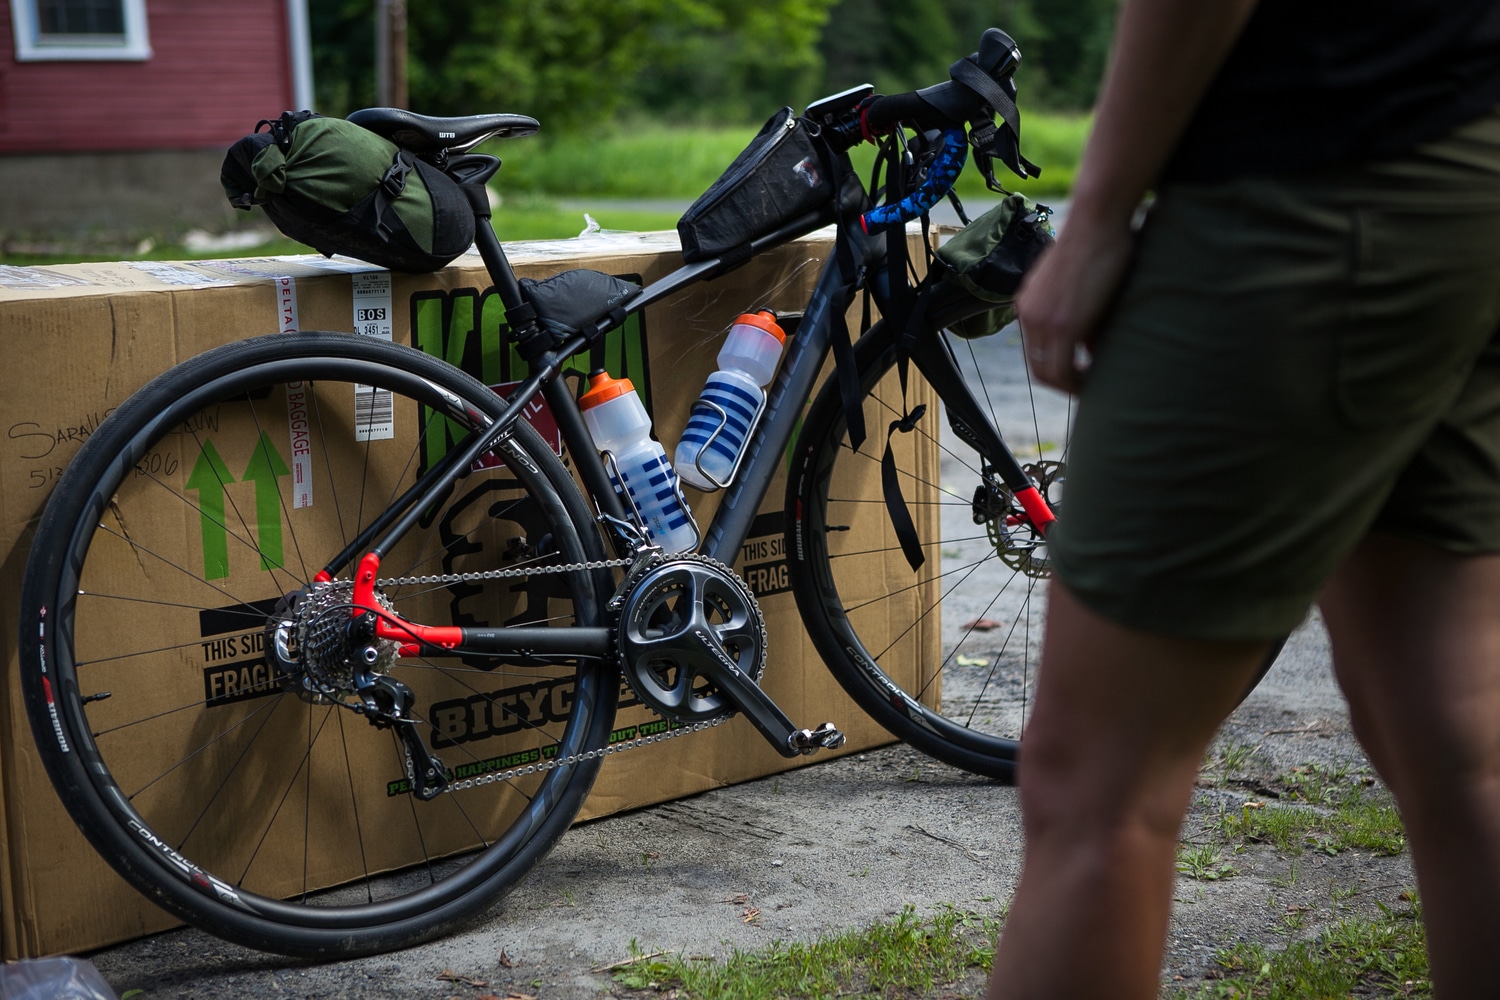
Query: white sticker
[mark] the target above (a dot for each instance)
(286, 304)
(298, 424)
(298, 399)
(374, 409)
(372, 303)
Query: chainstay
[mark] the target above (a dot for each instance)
(613, 748)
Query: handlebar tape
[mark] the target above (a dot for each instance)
(945, 169)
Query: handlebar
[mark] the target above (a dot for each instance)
(980, 87)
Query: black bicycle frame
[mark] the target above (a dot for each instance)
(785, 400)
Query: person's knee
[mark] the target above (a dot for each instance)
(1071, 796)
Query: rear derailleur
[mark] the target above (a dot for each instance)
(323, 648)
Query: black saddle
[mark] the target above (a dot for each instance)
(425, 135)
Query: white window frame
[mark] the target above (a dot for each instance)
(32, 47)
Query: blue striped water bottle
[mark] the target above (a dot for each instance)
(640, 472)
(722, 420)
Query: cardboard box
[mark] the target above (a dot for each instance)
(81, 338)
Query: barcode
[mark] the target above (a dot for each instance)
(374, 414)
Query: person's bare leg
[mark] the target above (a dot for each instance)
(1416, 643)
(1121, 722)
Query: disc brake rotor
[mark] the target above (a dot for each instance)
(1016, 540)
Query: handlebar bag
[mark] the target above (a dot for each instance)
(342, 189)
(779, 177)
(990, 255)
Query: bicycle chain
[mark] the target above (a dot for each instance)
(549, 765)
(502, 574)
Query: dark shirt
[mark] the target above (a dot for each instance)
(1314, 83)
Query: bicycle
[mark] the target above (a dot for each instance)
(209, 802)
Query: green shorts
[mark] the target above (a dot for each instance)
(1293, 363)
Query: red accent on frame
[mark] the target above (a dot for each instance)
(1036, 508)
(389, 626)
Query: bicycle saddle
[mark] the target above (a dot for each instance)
(423, 134)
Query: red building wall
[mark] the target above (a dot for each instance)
(215, 69)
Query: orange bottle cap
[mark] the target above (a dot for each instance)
(765, 319)
(602, 389)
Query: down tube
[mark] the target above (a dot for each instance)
(791, 390)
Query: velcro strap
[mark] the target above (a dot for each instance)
(1004, 142)
(890, 483)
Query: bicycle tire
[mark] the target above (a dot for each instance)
(861, 601)
(264, 814)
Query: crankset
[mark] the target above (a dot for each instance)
(692, 644)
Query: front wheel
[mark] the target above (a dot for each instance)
(943, 657)
(267, 798)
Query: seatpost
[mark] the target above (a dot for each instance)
(530, 340)
(490, 249)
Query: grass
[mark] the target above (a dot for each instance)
(907, 956)
(1384, 957)
(660, 161)
(1326, 810)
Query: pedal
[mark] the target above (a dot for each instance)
(825, 737)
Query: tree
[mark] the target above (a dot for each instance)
(566, 62)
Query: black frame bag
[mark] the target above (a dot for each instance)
(342, 189)
(779, 177)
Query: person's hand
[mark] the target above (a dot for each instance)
(1065, 296)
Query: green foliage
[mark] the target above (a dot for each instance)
(573, 64)
(731, 62)
(906, 44)
(568, 63)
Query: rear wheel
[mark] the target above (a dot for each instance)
(258, 796)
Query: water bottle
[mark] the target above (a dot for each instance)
(640, 472)
(725, 414)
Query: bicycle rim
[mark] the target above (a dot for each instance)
(944, 656)
(238, 799)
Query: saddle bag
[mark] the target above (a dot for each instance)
(779, 177)
(991, 255)
(342, 189)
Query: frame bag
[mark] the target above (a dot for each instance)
(342, 189)
(779, 177)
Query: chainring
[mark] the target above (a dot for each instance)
(665, 609)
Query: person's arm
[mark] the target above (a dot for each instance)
(1165, 54)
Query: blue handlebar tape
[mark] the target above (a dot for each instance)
(945, 169)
